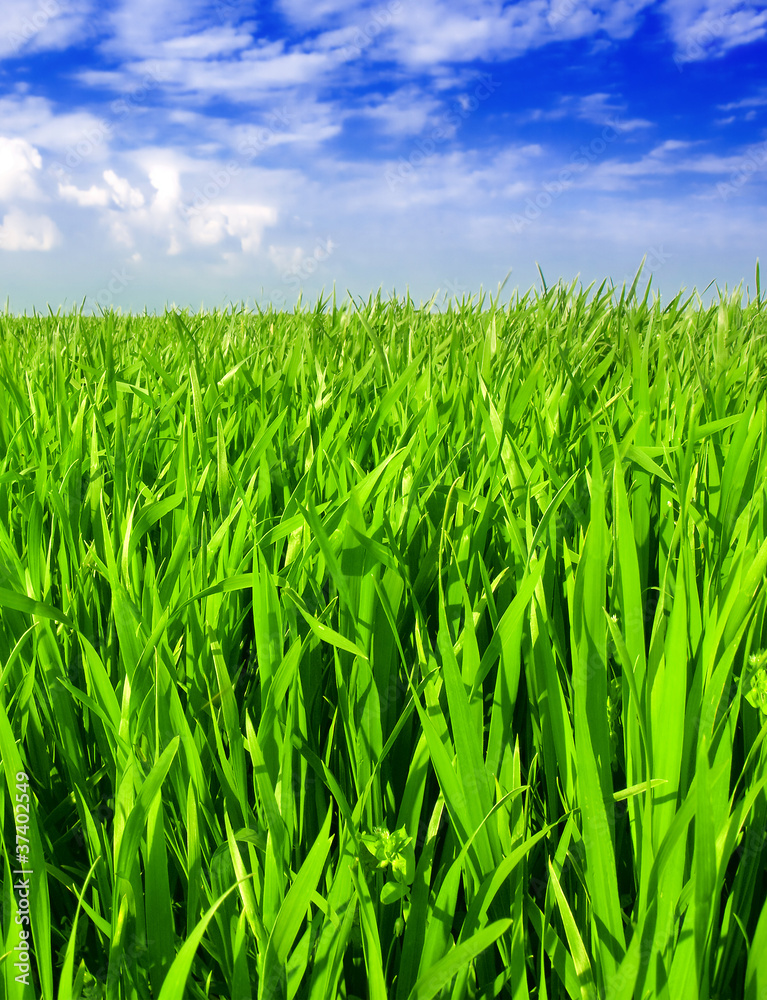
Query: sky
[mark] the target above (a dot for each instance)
(159, 153)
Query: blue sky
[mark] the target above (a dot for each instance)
(159, 152)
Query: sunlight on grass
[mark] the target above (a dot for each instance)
(366, 651)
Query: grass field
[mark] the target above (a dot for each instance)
(365, 651)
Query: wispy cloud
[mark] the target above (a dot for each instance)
(181, 144)
(704, 29)
(596, 108)
(406, 111)
(756, 101)
(30, 26)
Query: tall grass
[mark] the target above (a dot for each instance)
(370, 652)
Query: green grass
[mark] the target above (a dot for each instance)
(366, 651)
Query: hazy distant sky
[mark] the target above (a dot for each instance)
(176, 151)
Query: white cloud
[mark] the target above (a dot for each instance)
(164, 178)
(74, 137)
(207, 227)
(211, 43)
(40, 25)
(20, 231)
(598, 108)
(407, 111)
(313, 13)
(207, 220)
(428, 33)
(702, 29)
(198, 54)
(138, 26)
(212, 223)
(758, 101)
(258, 72)
(120, 232)
(167, 189)
(247, 223)
(93, 197)
(191, 56)
(443, 179)
(621, 18)
(285, 258)
(434, 32)
(123, 195)
(670, 146)
(18, 161)
(615, 175)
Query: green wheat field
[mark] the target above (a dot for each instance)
(370, 651)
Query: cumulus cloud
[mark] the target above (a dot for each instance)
(20, 231)
(164, 178)
(18, 162)
(71, 136)
(206, 127)
(247, 223)
(207, 220)
(93, 197)
(123, 195)
(207, 227)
